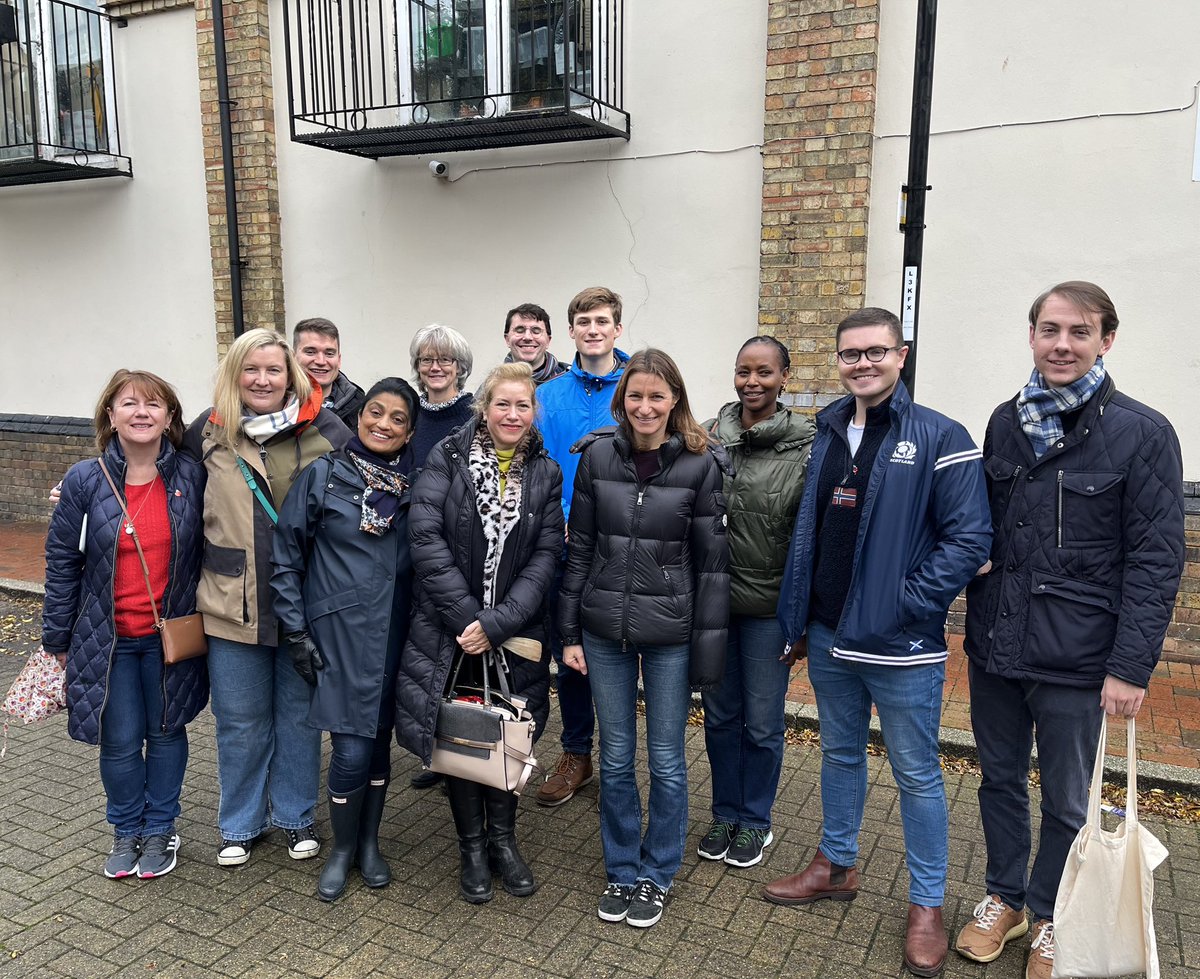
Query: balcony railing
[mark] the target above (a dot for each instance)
(401, 77)
(58, 107)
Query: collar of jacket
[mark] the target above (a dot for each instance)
(782, 431)
(838, 414)
(342, 391)
(620, 359)
(114, 458)
(1092, 410)
(308, 414)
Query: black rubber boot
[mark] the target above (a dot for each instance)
(374, 869)
(503, 856)
(466, 803)
(343, 819)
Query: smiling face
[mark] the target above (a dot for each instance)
(595, 332)
(1066, 341)
(138, 418)
(264, 380)
(439, 375)
(871, 384)
(509, 414)
(320, 355)
(384, 425)
(758, 378)
(528, 339)
(648, 404)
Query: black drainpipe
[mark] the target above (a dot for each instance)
(231, 214)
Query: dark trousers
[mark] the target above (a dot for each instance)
(353, 758)
(1007, 716)
(574, 688)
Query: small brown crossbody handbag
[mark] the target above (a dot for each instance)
(183, 637)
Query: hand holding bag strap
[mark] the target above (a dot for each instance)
(158, 622)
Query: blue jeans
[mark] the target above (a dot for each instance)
(268, 758)
(630, 856)
(142, 788)
(1005, 714)
(353, 759)
(909, 702)
(743, 724)
(574, 688)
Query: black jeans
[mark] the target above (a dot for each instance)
(1005, 714)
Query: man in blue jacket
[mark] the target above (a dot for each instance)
(1086, 489)
(570, 406)
(892, 524)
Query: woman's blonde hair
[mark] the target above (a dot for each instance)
(227, 393)
(148, 386)
(516, 371)
(681, 419)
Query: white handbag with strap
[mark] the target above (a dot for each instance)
(1104, 912)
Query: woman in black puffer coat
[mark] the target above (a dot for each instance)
(485, 533)
(646, 585)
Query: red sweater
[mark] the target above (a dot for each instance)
(131, 603)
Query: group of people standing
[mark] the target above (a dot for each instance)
(353, 551)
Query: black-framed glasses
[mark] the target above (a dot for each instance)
(874, 354)
(440, 361)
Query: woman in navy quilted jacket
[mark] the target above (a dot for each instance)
(99, 622)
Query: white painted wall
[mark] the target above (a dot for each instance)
(382, 248)
(1014, 210)
(102, 274)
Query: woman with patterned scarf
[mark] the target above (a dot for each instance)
(342, 588)
(486, 531)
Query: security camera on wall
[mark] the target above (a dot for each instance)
(438, 168)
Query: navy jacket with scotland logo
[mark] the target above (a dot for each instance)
(1088, 550)
(925, 531)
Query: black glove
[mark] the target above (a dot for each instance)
(306, 658)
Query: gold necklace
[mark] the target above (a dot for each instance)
(131, 517)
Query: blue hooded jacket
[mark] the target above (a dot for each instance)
(926, 530)
(569, 407)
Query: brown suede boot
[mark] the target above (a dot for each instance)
(817, 881)
(925, 941)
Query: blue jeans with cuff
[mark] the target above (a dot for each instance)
(142, 786)
(909, 702)
(268, 757)
(630, 855)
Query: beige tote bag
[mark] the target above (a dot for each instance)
(1104, 915)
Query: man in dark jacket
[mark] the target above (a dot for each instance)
(318, 348)
(892, 524)
(527, 334)
(1086, 489)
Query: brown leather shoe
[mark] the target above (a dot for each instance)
(815, 882)
(571, 772)
(925, 941)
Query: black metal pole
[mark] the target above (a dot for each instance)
(913, 223)
(231, 212)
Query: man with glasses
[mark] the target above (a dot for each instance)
(527, 333)
(1086, 489)
(892, 524)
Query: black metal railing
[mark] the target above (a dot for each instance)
(403, 73)
(57, 90)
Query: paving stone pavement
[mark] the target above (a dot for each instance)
(62, 917)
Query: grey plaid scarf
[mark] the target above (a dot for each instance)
(1039, 407)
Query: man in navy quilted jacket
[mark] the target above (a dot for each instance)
(1086, 489)
(892, 524)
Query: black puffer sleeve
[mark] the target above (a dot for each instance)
(710, 558)
(581, 551)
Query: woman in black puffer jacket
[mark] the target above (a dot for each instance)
(646, 584)
(485, 533)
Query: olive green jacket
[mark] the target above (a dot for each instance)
(770, 461)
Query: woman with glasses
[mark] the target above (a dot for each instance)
(441, 363)
(743, 717)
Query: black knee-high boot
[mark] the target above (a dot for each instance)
(343, 818)
(374, 869)
(503, 856)
(466, 803)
